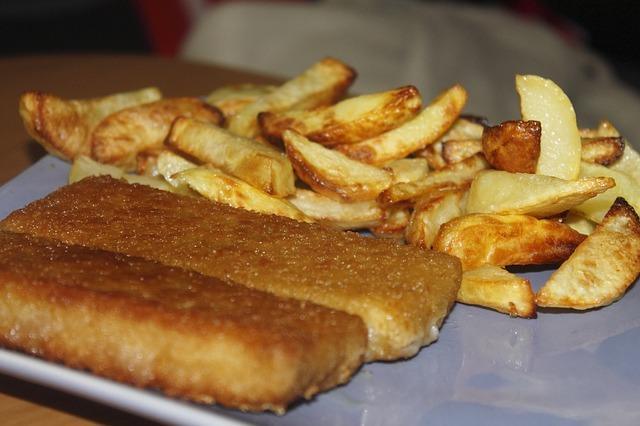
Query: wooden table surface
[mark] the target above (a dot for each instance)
(79, 76)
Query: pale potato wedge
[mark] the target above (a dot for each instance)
(407, 169)
(433, 155)
(495, 288)
(513, 146)
(394, 222)
(260, 165)
(626, 187)
(84, 166)
(322, 84)
(220, 187)
(579, 223)
(602, 150)
(629, 163)
(560, 146)
(63, 127)
(453, 176)
(496, 191)
(456, 150)
(426, 128)
(350, 121)
(231, 99)
(122, 135)
(169, 163)
(343, 215)
(432, 211)
(465, 127)
(602, 268)
(334, 174)
(502, 240)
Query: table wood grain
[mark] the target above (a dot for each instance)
(81, 76)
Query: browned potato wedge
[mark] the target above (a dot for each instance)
(456, 150)
(426, 128)
(451, 177)
(122, 135)
(430, 212)
(350, 121)
(333, 174)
(602, 268)
(496, 191)
(513, 146)
(63, 127)
(231, 99)
(356, 215)
(393, 224)
(407, 169)
(602, 150)
(502, 240)
(493, 287)
(322, 84)
(262, 166)
(220, 187)
(433, 155)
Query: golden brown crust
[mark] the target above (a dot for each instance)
(401, 292)
(151, 325)
(513, 146)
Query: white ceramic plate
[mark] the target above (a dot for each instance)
(564, 368)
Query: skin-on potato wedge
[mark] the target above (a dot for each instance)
(356, 215)
(501, 240)
(456, 150)
(626, 187)
(394, 222)
(602, 150)
(426, 128)
(122, 135)
(231, 99)
(322, 84)
(262, 166)
(513, 146)
(496, 191)
(542, 100)
(602, 268)
(495, 288)
(220, 187)
(453, 176)
(430, 212)
(350, 121)
(333, 174)
(63, 127)
(407, 169)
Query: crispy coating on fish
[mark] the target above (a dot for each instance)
(150, 325)
(402, 293)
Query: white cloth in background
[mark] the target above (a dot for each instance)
(430, 45)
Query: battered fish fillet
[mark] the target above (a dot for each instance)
(402, 293)
(151, 325)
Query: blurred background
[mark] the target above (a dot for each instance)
(587, 46)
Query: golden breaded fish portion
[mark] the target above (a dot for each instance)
(151, 325)
(402, 293)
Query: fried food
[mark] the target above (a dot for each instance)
(602, 150)
(231, 99)
(63, 127)
(122, 135)
(513, 146)
(402, 293)
(154, 326)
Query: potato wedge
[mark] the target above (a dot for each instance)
(496, 191)
(626, 187)
(604, 130)
(84, 166)
(456, 150)
(433, 155)
(262, 166)
(322, 84)
(465, 127)
(513, 146)
(350, 121)
(579, 223)
(394, 222)
(333, 174)
(629, 163)
(432, 211)
(495, 288)
(407, 169)
(542, 100)
(602, 150)
(602, 268)
(426, 128)
(63, 127)
(451, 177)
(169, 163)
(122, 135)
(220, 187)
(231, 99)
(343, 215)
(501, 240)
(146, 163)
